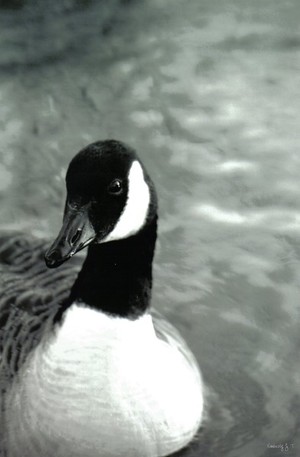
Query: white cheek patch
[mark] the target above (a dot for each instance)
(136, 209)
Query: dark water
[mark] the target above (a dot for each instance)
(209, 94)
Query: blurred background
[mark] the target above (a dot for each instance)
(208, 93)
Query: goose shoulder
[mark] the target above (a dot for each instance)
(30, 295)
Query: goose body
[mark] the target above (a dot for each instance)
(100, 375)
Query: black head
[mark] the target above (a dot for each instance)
(109, 197)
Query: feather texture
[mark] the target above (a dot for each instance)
(30, 297)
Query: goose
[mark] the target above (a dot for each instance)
(88, 369)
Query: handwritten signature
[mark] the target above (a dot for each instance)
(286, 447)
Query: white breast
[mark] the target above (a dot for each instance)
(104, 387)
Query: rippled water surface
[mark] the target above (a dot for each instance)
(209, 94)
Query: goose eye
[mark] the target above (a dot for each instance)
(115, 187)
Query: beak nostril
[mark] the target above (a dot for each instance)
(76, 237)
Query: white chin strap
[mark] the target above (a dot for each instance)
(136, 209)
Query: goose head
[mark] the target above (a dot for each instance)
(110, 197)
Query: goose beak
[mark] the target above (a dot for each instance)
(75, 234)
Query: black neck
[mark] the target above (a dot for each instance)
(116, 277)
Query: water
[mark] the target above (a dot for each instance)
(209, 95)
